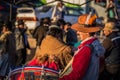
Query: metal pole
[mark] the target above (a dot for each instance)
(10, 12)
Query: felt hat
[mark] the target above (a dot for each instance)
(110, 26)
(86, 23)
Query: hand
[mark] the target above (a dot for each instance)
(25, 26)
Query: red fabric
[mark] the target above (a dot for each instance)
(35, 62)
(80, 62)
(21, 76)
(1, 7)
(47, 64)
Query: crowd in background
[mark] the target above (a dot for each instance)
(73, 49)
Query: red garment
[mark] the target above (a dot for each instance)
(21, 76)
(47, 64)
(80, 62)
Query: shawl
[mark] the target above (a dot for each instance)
(52, 46)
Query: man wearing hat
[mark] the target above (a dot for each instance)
(85, 63)
(42, 30)
(7, 51)
(112, 54)
(21, 43)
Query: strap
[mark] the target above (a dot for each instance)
(91, 47)
(115, 38)
(67, 67)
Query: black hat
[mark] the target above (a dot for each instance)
(46, 20)
(1, 22)
(20, 22)
(7, 24)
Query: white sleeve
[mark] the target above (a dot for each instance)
(54, 11)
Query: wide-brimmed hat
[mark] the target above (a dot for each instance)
(110, 26)
(20, 22)
(86, 23)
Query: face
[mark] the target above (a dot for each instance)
(21, 26)
(106, 32)
(66, 27)
(59, 4)
(82, 36)
(4, 29)
(78, 35)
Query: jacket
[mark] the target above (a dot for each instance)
(85, 64)
(112, 46)
(21, 39)
(40, 33)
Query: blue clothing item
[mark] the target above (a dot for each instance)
(71, 37)
(25, 40)
(93, 69)
(4, 65)
(77, 44)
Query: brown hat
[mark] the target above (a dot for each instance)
(110, 26)
(86, 23)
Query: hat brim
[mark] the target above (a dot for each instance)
(85, 29)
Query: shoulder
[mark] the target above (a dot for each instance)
(84, 50)
(107, 44)
(107, 41)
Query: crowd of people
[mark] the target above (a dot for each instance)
(73, 49)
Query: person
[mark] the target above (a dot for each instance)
(58, 11)
(7, 51)
(61, 24)
(112, 54)
(53, 47)
(85, 62)
(70, 37)
(37, 31)
(42, 30)
(21, 43)
(111, 10)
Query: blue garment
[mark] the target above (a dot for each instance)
(77, 44)
(25, 40)
(93, 69)
(4, 65)
(71, 37)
